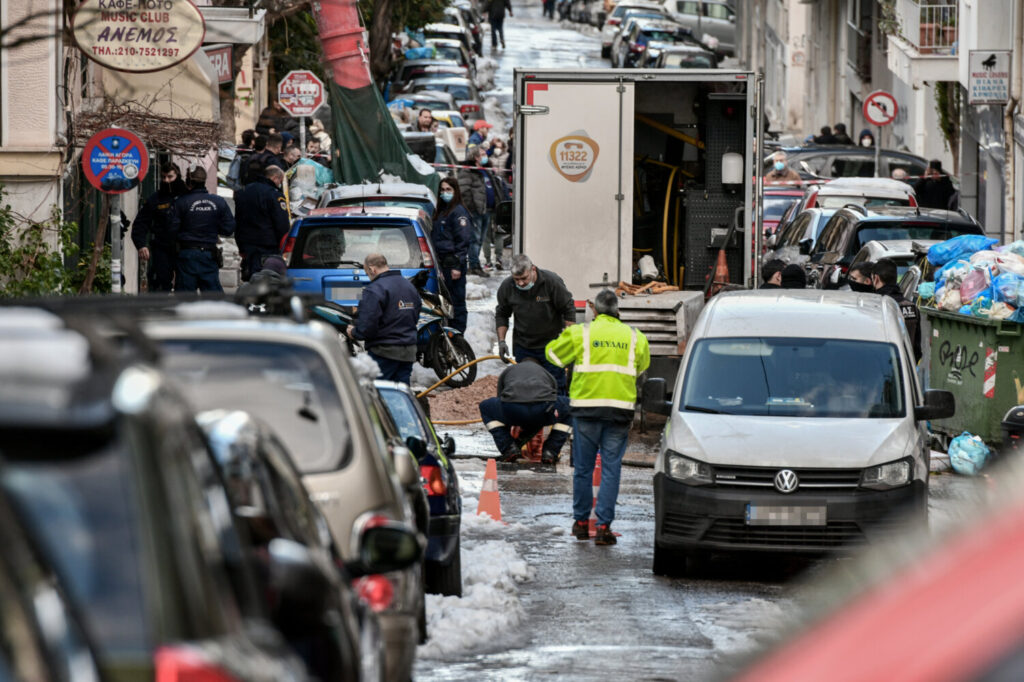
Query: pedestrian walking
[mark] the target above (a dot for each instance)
(528, 398)
(479, 136)
(839, 132)
(548, 9)
(782, 174)
(607, 357)
(771, 274)
(934, 189)
(197, 220)
(388, 314)
(884, 277)
(541, 306)
(451, 236)
(496, 16)
(261, 219)
(151, 232)
(480, 194)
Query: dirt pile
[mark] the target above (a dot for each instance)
(462, 403)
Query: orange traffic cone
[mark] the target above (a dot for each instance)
(490, 503)
(597, 489)
(721, 276)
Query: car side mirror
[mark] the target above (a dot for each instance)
(294, 575)
(654, 397)
(503, 217)
(405, 467)
(417, 446)
(937, 405)
(448, 445)
(386, 547)
(805, 246)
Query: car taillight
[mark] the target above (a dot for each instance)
(467, 108)
(428, 260)
(376, 591)
(287, 247)
(177, 664)
(637, 48)
(433, 481)
(613, 22)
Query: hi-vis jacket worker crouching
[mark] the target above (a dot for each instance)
(608, 357)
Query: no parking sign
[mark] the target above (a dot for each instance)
(115, 160)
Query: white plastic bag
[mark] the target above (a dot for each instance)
(968, 454)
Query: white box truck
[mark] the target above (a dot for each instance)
(612, 165)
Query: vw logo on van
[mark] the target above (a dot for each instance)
(786, 481)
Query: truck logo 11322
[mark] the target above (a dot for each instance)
(573, 156)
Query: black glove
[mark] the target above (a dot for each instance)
(503, 352)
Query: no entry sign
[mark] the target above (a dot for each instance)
(115, 160)
(880, 108)
(301, 93)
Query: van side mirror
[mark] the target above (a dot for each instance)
(805, 246)
(503, 217)
(389, 546)
(654, 397)
(937, 405)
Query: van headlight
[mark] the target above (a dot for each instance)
(886, 476)
(689, 471)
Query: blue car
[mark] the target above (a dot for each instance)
(325, 250)
(442, 565)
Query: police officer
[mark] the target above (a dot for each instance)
(884, 277)
(542, 307)
(527, 398)
(270, 156)
(388, 314)
(608, 357)
(151, 232)
(262, 220)
(451, 235)
(196, 221)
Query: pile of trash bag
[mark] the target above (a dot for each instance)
(977, 277)
(968, 454)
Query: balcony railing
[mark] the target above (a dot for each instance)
(929, 25)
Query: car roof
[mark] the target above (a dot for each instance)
(431, 61)
(368, 212)
(801, 313)
(445, 42)
(441, 79)
(390, 189)
(895, 248)
(916, 214)
(311, 334)
(874, 187)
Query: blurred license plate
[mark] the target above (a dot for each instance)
(345, 293)
(777, 515)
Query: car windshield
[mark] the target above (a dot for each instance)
(402, 412)
(84, 512)
(885, 231)
(449, 52)
(656, 34)
(288, 386)
(794, 377)
(345, 247)
(825, 201)
(688, 61)
(775, 206)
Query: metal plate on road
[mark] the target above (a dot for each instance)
(779, 515)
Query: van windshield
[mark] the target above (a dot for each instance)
(794, 377)
(345, 247)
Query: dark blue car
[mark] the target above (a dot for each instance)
(325, 250)
(442, 564)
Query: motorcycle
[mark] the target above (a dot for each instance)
(440, 347)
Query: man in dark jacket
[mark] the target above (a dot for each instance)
(527, 398)
(935, 189)
(270, 156)
(542, 307)
(496, 15)
(262, 220)
(388, 314)
(151, 232)
(478, 196)
(197, 220)
(771, 273)
(839, 133)
(884, 277)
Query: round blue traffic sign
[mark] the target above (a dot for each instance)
(115, 160)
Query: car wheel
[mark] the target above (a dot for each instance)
(446, 579)
(667, 562)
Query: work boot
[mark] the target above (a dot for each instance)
(511, 454)
(604, 536)
(479, 272)
(503, 43)
(549, 457)
(581, 530)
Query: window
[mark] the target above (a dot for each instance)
(333, 246)
(775, 206)
(830, 235)
(881, 231)
(853, 166)
(684, 7)
(794, 233)
(715, 11)
(404, 414)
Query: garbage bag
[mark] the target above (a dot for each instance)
(428, 52)
(1017, 316)
(926, 290)
(958, 247)
(1000, 311)
(1010, 262)
(974, 282)
(968, 454)
(950, 300)
(1016, 247)
(953, 270)
(1009, 288)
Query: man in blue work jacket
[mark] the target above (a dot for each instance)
(388, 314)
(197, 220)
(261, 216)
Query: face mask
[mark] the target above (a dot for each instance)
(484, 160)
(865, 142)
(780, 166)
(525, 287)
(446, 197)
(861, 287)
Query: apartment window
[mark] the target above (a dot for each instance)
(858, 37)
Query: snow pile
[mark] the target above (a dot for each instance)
(422, 377)
(486, 67)
(740, 627)
(495, 115)
(364, 366)
(476, 291)
(481, 335)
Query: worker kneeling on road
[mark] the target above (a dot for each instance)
(527, 398)
(608, 357)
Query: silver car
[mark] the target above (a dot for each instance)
(614, 23)
(707, 17)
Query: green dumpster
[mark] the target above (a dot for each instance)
(982, 362)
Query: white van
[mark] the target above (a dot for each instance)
(796, 425)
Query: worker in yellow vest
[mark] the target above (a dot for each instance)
(607, 357)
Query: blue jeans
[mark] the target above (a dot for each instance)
(499, 416)
(392, 370)
(590, 437)
(518, 352)
(482, 238)
(197, 269)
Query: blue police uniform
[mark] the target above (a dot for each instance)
(451, 237)
(261, 217)
(152, 230)
(196, 221)
(388, 314)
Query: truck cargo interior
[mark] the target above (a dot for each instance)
(682, 211)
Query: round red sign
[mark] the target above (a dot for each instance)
(115, 160)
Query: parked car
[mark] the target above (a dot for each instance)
(330, 244)
(795, 242)
(776, 202)
(440, 482)
(109, 475)
(449, 31)
(854, 226)
(469, 18)
(677, 56)
(444, 157)
(841, 161)
(421, 144)
(613, 23)
(782, 372)
(399, 194)
(427, 99)
(297, 378)
(902, 252)
(455, 51)
(632, 43)
(418, 68)
(449, 118)
(709, 17)
(467, 98)
(868, 192)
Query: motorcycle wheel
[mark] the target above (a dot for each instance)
(444, 361)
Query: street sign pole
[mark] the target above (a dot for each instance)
(302, 137)
(878, 151)
(115, 243)
(880, 109)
